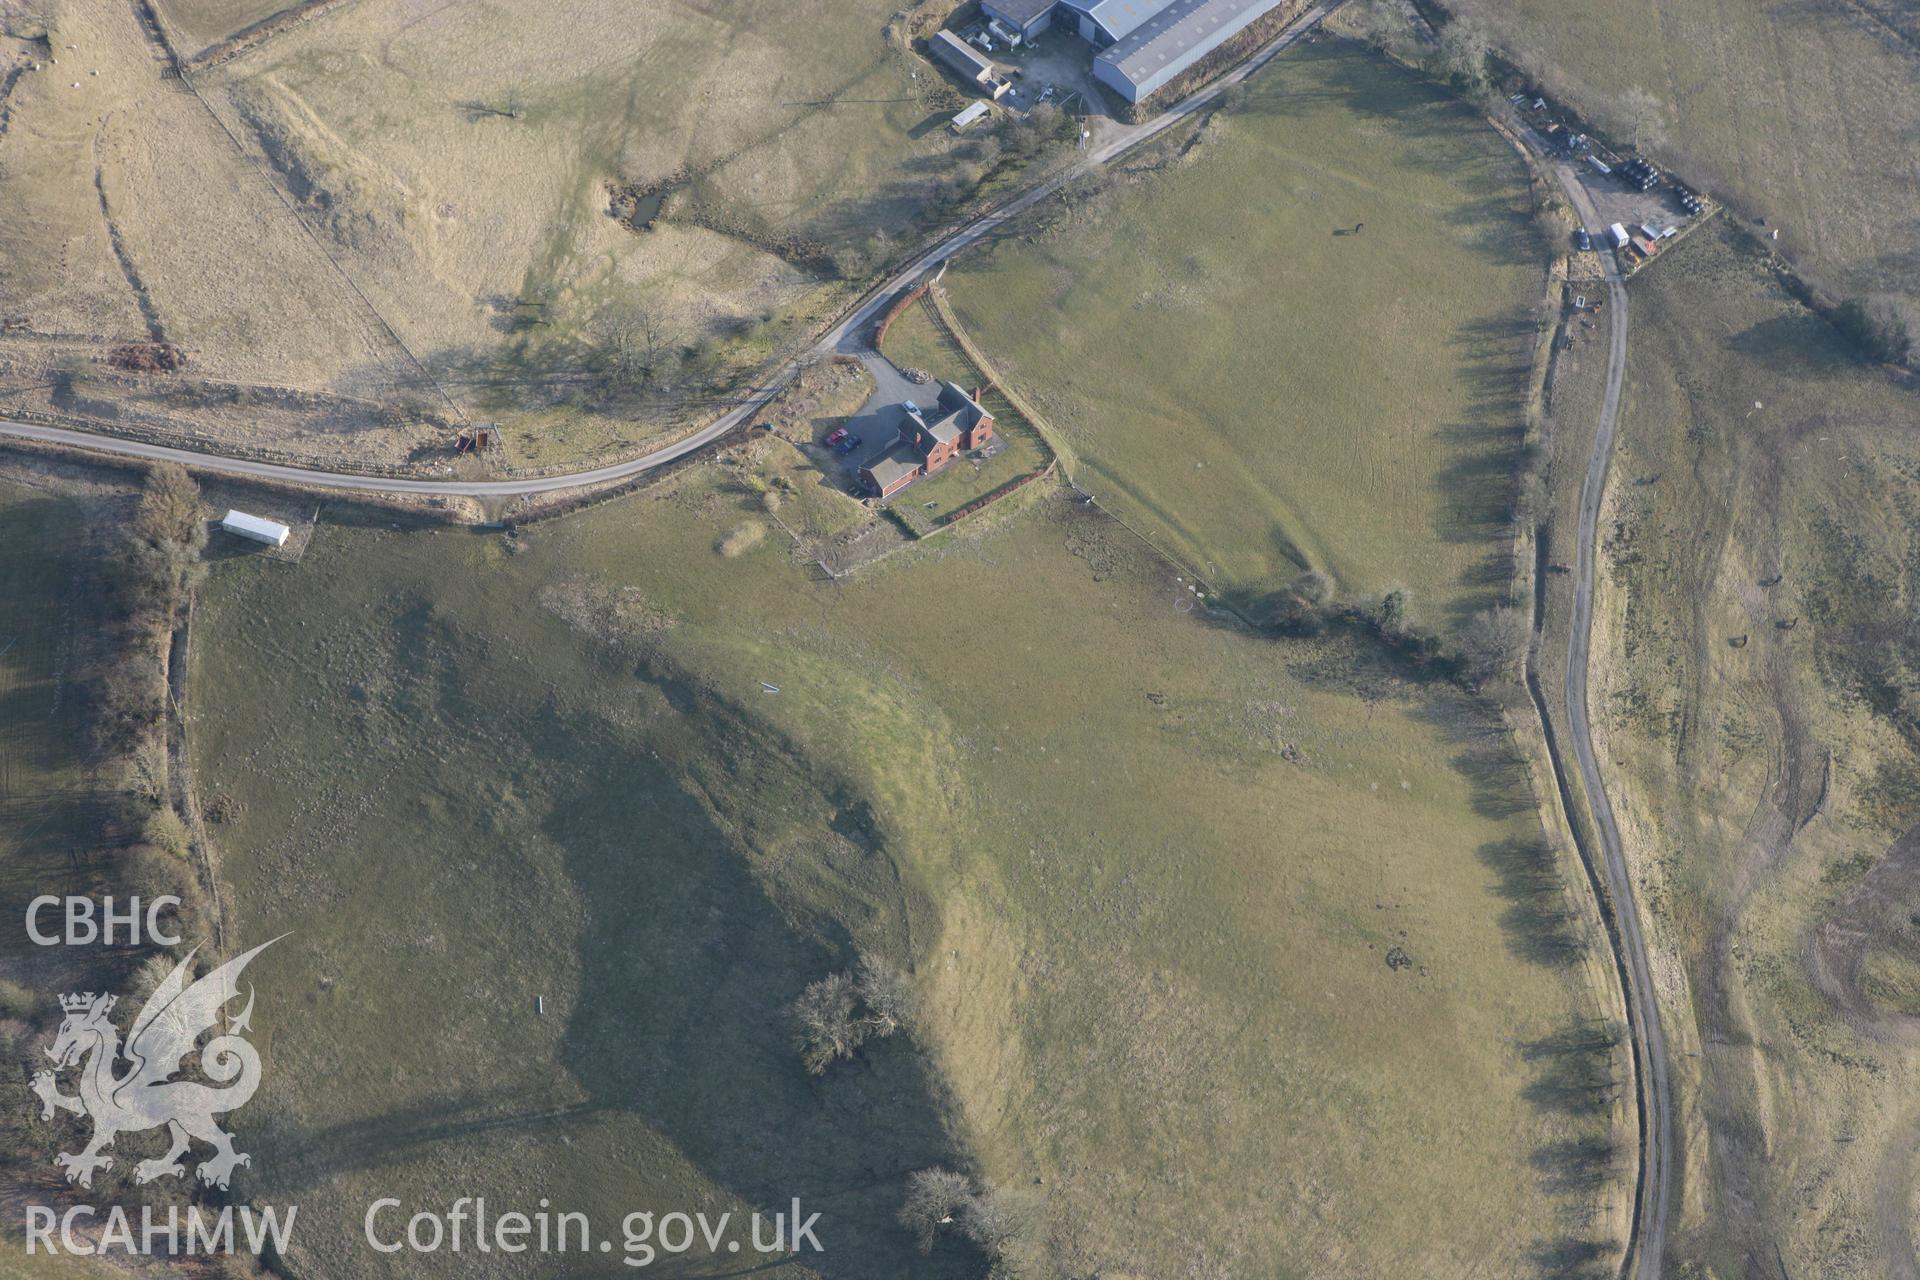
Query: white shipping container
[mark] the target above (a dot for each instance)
(1619, 233)
(969, 116)
(256, 529)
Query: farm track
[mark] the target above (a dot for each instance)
(1646, 1246)
(143, 299)
(846, 336)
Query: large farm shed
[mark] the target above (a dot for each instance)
(1144, 44)
(953, 51)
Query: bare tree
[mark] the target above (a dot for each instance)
(1555, 222)
(891, 1000)
(161, 560)
(1492, 642)
(1645, 116)
(1391, 613)
(1883, 327)
(935, 1197)
(1388, 24)
(1301, 607)
(824, 1023)
(998, 1222)
(1023, 139)
(836, 1015)
(1464, 50)
(169, 509)
(628, 347)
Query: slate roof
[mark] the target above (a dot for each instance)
(890, 467)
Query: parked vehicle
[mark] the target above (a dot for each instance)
(847, 445)
(1582, 240)
(836, 435)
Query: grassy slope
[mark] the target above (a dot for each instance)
(1153, 947)
(422, 205)
(1262, 393)
(47, 809)
(42, 1266)
(800, 121)
(1805, 113)
(1722, 749)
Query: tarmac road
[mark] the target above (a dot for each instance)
(848, 336)
(1648, 1244)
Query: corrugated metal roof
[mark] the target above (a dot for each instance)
(1178, 33)
(1120, 17)
(956, 53)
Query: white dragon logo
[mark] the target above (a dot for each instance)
(146, 1096)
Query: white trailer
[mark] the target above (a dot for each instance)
(255, 528)
(969, 117)
(1619, 233)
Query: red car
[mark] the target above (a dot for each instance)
(836, 435)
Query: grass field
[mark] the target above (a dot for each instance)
(1755, 692)
(486, 237)
(1237, 372)
(136, 217)
(1805, 114)
(1148, 872)
(49, 811)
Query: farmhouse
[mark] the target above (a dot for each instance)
(1144, 44)
(255, 529)
(929, 442)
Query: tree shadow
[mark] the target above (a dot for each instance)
(1538, 924)
(1575, 1068)
(1577, 1166)
(1799, 341)
(1576, 1258)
